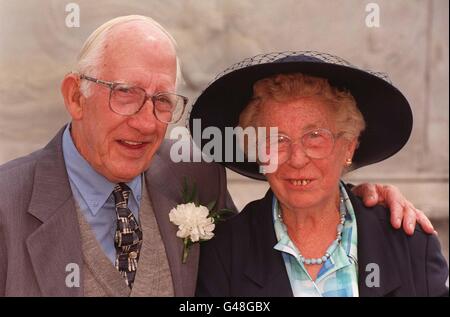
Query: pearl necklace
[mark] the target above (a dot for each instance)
(333, 245)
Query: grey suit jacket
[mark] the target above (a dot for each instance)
(39, 231)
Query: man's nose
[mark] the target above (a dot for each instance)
(298, 157)
(144, 120)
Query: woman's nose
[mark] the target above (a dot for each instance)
(298, 157)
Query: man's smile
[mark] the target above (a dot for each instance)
(133, 144)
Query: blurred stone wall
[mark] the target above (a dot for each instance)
(410, 44)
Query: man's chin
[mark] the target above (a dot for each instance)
(124, 175)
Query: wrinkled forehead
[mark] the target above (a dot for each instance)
(138, 49)
(297, 114)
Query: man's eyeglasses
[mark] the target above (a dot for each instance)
(127, 100)
(316, 143)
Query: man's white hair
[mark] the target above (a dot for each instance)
(91, 53)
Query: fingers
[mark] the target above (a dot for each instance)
(396, 210)
(409, 220)
(424, 222)
(368, 193)
(402, 211)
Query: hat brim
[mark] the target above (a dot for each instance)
(386, 111)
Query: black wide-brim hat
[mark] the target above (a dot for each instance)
(386, 111)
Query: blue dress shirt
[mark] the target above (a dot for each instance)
(93, 194)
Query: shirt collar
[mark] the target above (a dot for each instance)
(350, 232)
(93, 187)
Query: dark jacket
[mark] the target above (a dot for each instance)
(241, 261)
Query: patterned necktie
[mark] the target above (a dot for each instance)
(128, 238)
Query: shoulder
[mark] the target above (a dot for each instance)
(16, 175)
(381, 214)
(16, 187)
(367, 216)
(368, 219)
(21, 163)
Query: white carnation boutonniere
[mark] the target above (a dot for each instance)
(195, 222)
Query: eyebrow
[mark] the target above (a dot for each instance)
(135, 84)
(124, 82)
(306, 128)
(310, 127)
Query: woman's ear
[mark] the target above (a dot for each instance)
(70, 90)
(351, 147)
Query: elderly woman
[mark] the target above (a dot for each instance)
(309, 235)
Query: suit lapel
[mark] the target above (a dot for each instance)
(164, 190)
(56, 243)
(265, 264)
(375, 254)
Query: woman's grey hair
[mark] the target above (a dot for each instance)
(284, 87)
(91, 53)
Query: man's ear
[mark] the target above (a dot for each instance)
(70, 89)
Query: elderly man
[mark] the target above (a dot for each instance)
(88, 214)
